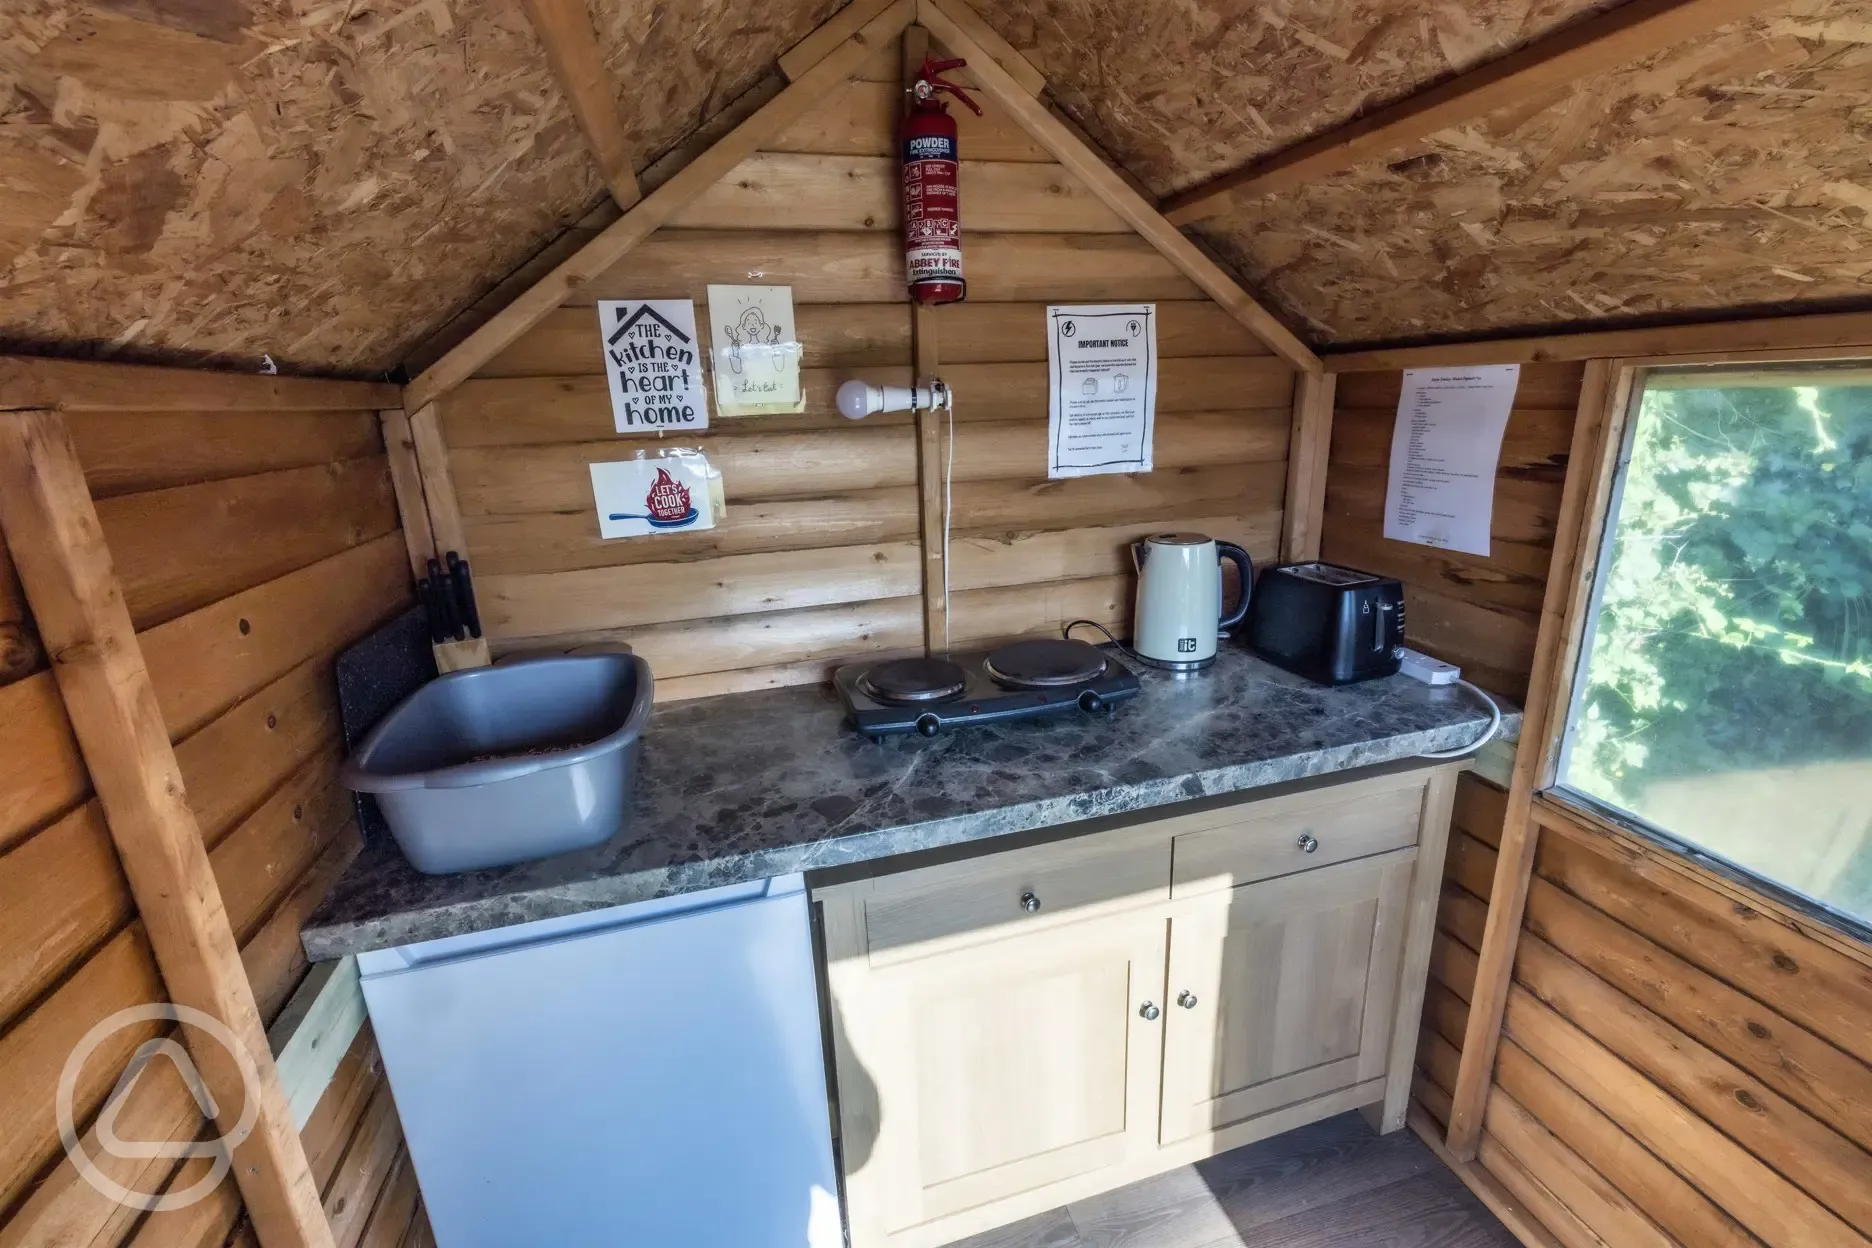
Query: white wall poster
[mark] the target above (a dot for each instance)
(1102, 383)
(1444, 449)
(756, 350)
(664, 494)
(653, 364)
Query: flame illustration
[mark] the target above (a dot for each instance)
(668, 498)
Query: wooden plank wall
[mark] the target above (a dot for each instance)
(252, 546)
(819, 557)
(1679, 1065)
(1479, 613)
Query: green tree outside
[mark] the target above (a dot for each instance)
(1734, 637)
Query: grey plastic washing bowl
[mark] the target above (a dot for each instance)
(499, 765)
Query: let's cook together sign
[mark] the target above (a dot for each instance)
(653, 364)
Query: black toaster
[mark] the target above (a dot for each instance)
(1327, 623)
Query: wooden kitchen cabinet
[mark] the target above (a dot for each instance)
(1282, 992)
(1001, 1071)
(1017, 1030)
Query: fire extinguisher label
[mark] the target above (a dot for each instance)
(930, 147)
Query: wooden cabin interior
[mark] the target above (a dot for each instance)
(298, 297)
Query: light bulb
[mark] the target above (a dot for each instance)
(857, 400)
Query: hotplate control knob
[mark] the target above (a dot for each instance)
(1091, 703)
(927, 724)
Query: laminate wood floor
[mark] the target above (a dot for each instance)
(1334, 1184)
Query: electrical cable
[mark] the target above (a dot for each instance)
(948, 495)
(1479, 742)
(1066, 632)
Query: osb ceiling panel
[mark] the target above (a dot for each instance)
(1728, 173)
(681, 62)
(326, 181)
(1182, 90)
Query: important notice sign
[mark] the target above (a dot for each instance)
(1102, 379)
(1444, 449)
(653, 365)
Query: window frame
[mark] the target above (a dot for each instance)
(1626, 386)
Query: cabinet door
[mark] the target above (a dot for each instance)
(971, 1081)
(1280, 992)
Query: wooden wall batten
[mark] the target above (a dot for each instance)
(238, 655)
(832, 542)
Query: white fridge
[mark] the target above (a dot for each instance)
(651, 1074)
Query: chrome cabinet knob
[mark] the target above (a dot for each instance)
(1148, 1012)
(1308, 842)
(1030, 903)
(1186, 999)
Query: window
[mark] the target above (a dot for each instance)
(1724, 698)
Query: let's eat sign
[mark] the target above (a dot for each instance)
(653, 365)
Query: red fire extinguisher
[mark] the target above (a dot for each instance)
(932, 220)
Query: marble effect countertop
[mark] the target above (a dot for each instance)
(754, 785)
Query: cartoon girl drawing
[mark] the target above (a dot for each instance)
(752, 330)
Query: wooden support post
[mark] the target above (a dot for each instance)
(51, 526)
(1307, 453)
(406, 481)
(931, 506)
(1598, 429)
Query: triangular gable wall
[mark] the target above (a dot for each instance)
(832, 541)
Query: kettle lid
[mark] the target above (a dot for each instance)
(1178, 539)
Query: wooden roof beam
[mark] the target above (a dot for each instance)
(1613, 38)
(565, 30)
(1090, 168)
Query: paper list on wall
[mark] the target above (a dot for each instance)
(1444, 450)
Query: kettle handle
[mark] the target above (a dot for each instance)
(1244, 565)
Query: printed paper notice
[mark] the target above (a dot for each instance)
(1102, 370)
(1444, 449)
(652, 364)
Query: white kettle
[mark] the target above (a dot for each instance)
(1179, 598)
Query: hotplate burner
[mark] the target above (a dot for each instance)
(1044, 663)
(905, 681)
(1038, 677)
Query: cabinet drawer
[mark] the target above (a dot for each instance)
(999, 895)
(1263, 843)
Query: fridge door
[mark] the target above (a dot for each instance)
(645, 1075)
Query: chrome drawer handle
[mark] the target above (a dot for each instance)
(1308, 842)
(1186, 999)
(1149, 1012)
(1030, 903)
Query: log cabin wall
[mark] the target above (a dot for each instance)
(1478, 613)
(1682, 1061)
(251, 545)
(820, 555)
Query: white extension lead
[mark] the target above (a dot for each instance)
(1419, 666)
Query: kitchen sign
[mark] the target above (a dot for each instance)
(653, 364)
(1102, 388)
(664, 494)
